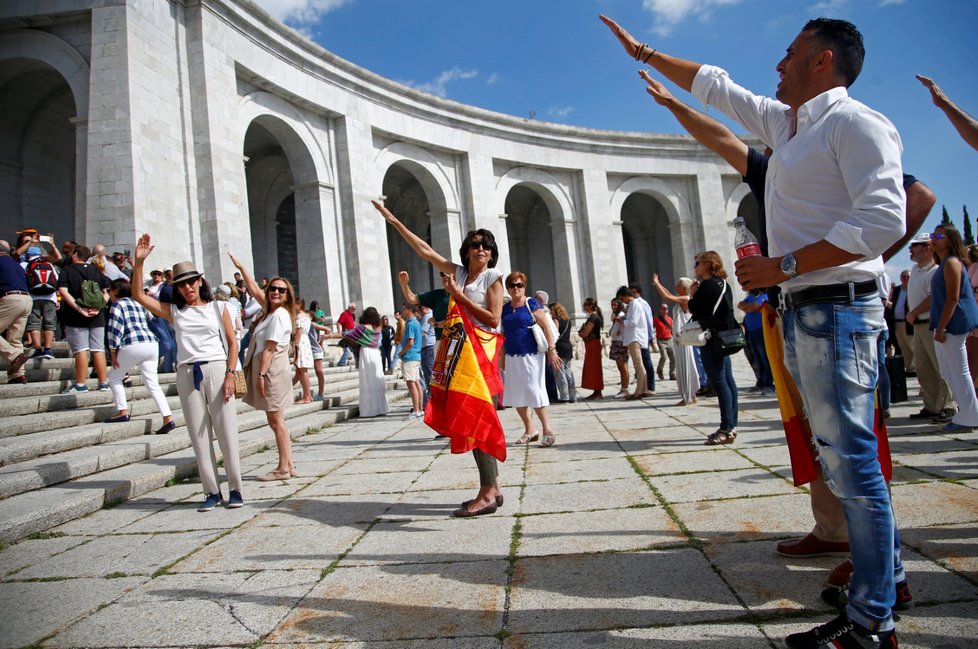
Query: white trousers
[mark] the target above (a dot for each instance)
(952, 359)
(144, 356)
(207, 415)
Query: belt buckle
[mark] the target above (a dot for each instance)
(852, 291)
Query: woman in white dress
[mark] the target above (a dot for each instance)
(687, 378)
(303, 352)
(373, 388)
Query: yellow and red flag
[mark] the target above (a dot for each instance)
(464, 379)
(797, 432)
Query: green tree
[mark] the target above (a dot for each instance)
(969, 238)
(945, 218)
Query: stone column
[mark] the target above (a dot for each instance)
(316, 241)
(603, 258)
(81, 175)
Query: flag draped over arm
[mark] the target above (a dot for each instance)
(464, 379)
(798, 434)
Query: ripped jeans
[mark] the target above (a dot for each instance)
(831, 351)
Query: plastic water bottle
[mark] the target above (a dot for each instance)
(746, 245)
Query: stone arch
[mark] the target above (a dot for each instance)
(551, 264)
(643, 205)
(438, 186)
(44, 90)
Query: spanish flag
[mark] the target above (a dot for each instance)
(464, 379)
(797, 432)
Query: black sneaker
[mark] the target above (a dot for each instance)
(212, 501)
(944, 416)
(840, 633)
(839, 596)
(234, 499)
(924, 414)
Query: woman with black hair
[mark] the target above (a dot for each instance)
(207, 355)
(476, 286)
(132, 344)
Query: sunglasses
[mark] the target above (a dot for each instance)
(515, 285)
(480, 243)
(278, 289)
(185, 282)
(697, 262)
(936, 236)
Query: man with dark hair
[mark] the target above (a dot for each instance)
(83, 317)
(635, 338)
(636, 290)
(834, 204)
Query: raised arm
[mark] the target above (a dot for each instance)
(680, 71)
(489, 315)
(666, 294)
(419, 245)
(707, 131)
(253, 289)
(966, 125)
(404, 280)
(920, 200)
(143, 247)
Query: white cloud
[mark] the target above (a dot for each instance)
(887, 3)
(493, 78)
(438, 85)
(669, 13)
(830, 8)
(301, 12)
(560, 113)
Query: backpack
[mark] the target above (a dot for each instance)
(42, 277)
(91, 295)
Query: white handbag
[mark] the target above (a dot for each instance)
(538, 336)
(692, 333)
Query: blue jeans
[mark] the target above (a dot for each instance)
(698, 357)
(719, 374)
(427, 365)
(831, 351)
(167, 345)
(755, 340)
(883, 383)
(345, 356)
(649, 369)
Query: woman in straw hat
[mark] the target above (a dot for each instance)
(207, 355)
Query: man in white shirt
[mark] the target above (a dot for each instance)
(650, 345)
(937, 395)
(904, 337)
(835, 203)
(635, 338)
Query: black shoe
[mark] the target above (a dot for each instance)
(234, 499)
(840, 633)
(924, 414)
(944, 416)
(166, 428)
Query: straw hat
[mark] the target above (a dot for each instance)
(184, 271)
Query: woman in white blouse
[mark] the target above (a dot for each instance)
(207, 355)
(266, 363)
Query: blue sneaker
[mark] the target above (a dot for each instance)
(234, 499)
(951, 427)
(212, 501)
(103, 387)
(74, 387)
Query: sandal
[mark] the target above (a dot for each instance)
(721, 437)
(548, 440)
(527, 438)
(273, 476)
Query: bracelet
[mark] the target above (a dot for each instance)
(229, 371)
(262, 376)
(638, 52)
(651, 54)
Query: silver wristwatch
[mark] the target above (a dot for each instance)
(789, 266)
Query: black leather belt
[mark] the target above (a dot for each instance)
(14, 293)
(831, 293)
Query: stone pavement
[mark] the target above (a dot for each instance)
(629, 532)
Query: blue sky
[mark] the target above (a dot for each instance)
(556, 60)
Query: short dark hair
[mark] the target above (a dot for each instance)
(635, 286)
(488, 237)
(121, 287)
(83, 252)
(845, 42)
(370, 316)
(413, 308)
(623, 291)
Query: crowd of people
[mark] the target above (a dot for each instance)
(837, 207)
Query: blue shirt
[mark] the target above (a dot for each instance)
(12, 275)
(752, 319)
(518, 339)
(412, 331)
(965, 317)
(428, 330)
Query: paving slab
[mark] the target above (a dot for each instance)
(632, 528)
(31, 551)
(586, 496)
(417, 601)
(607, 591)
(609, 468)
(719, 459)
(683, 636)
(933, 503)
(743, 519)
(955, 546)
(35, 610)
(735, 484)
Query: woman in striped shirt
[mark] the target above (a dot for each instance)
(131, 344)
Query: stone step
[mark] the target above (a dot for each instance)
(42, 509)
(145, 419)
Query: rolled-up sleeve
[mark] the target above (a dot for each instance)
(869, 150)
(762, 116)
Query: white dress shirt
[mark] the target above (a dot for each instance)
(838, 178)
(636, 329)
(918, 288)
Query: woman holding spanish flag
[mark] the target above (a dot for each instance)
(465, 377)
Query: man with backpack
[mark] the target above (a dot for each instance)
(42, 283)
(84, 294)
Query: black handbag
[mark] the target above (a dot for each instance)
(728, 341)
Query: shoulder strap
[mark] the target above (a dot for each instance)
(720, 299)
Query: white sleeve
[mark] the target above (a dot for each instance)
(762, 116)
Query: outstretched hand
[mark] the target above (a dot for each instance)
(386, 213)
(627, 40)
(403, 277)
(656, 89)
(143, 247)
(655, 278)
(234, 260)
(936, 94)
